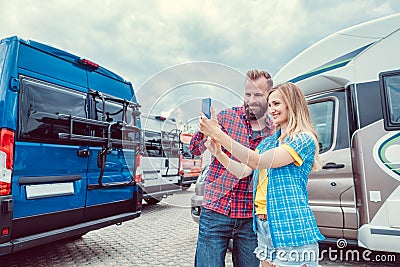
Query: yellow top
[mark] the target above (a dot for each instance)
(261, 193)
(260, 200)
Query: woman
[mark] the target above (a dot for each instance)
(286, 229)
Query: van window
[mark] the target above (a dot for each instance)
(161, 144)
(391, 101)
(3, 50)
(170, 143)
(322, 116)
(41, 103)
(115, 110)
(152, 142)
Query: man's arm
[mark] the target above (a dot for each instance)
(197, 144)
(238, 169)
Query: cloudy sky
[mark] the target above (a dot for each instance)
(177, 52)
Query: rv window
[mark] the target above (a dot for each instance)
(3, 50)
(40, 105)
(322, 116)
(391, 87)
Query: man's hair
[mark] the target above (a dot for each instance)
(256, 74)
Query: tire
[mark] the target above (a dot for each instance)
(152, 200)
(74, 237)
(185, 187)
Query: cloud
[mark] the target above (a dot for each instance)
(141, 39)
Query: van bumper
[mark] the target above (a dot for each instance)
(66, 232)
(189, 179)
(159, 194)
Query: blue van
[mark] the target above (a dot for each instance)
(70, 144)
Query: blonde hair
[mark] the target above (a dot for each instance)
(299, 120)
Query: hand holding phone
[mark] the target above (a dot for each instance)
(205, 107)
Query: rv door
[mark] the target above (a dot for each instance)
(331, 190)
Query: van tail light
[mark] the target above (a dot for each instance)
(138, 174)
(6, 160)
(161, 118)
(180, 172)
(89, 64)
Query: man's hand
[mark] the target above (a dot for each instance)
(213, 147)
(209, 127)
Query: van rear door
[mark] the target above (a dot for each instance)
(170, 166)
(49, 176)
(160, 162)
(111, 186)
(151, 162)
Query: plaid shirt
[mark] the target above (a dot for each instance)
(224, 193)
(290, 218)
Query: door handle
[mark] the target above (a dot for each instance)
(332, 165)
(83, 153)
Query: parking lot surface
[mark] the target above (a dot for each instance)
(164, 235)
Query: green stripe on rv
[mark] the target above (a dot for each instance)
(383, 147)
(329, 66)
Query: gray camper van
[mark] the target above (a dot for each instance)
(352, 82)
(160, 163)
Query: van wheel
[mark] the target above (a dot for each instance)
(185, 187)
(75, 237)
(152, 200)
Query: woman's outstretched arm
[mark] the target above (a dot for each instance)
(238, 169)
(272, 158)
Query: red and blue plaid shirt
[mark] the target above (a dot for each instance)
(224, 193)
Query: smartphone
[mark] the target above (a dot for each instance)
(205, 107)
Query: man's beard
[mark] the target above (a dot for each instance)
(254, 116)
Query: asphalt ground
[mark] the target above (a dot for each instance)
(164, 235)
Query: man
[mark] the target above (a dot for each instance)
(228, 201)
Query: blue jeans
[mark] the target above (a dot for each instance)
(215, 230)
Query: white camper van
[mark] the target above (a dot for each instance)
(161, 159)
(352, 82)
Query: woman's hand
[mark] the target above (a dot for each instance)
(209, 127)
(213, 147)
